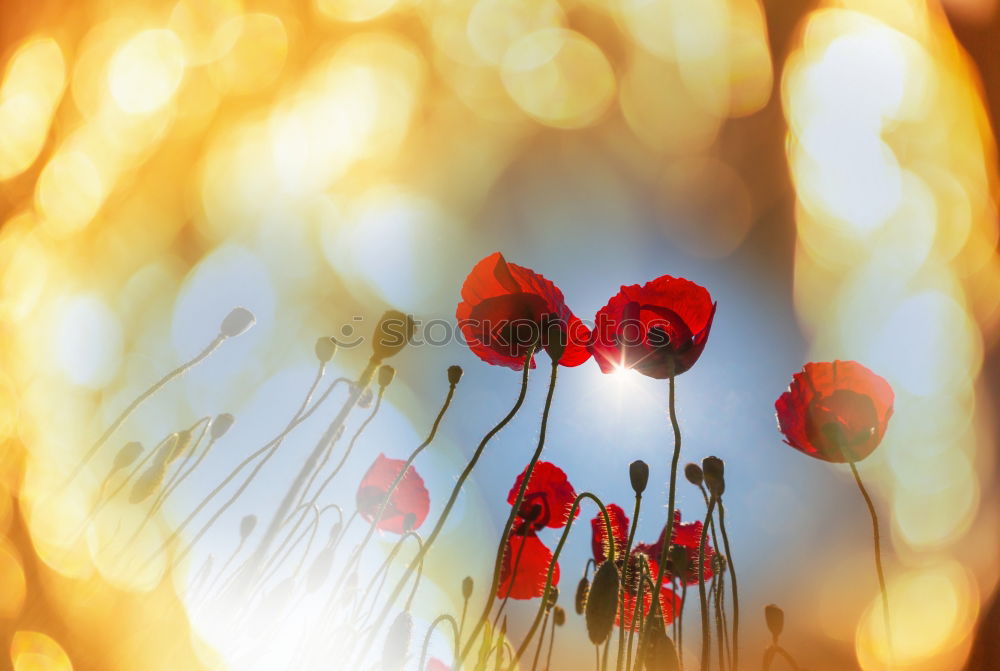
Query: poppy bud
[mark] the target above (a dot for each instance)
(397, 642)
(454, 375)
(319, 569)
(126, 456)
(148, 483)
(714, 469)
(385, 375)
(661, 654)
(238, 321)
(467, 585)
(247, 525)
(693, 474)
(602, 603)
(392, 334)
(220, 425)
(553, 597)
(775, 618)
(638, 472)
(335, 532)
(555, 340)
(582, 592)
(409, 520)
(678, 560)
(559, 616)
(326, 347)
(180, 445)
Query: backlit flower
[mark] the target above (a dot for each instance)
(548, 497)
(408, 504)
(658, 329)
(525, 567)
(836, 411)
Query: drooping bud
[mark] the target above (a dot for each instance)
(397, 642)
(559, 616)
(638, 473)
(661, 653)
(148, 483)
(553, 597)
(775, 618)
(237, 322)
(220, 425)
(392, 333)
(385, 375)
(247, 525)
(126, 456)
(325, 348)
(715, 470)
(467, 586)
(454, 375)
(602, 603)
(582, 592)
(693, 474)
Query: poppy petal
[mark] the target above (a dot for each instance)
(525, 568)
(550, 490)
(409, 499)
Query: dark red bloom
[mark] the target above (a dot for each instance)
(409, 500)
(670, 604)
(599, 534)
(835, 411)
(505, 309)
(659, 329)
(525, 567)
(686, 536)
(548, 497)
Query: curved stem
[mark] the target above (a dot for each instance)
(735, 590)
(671, 499)
(427, 637)
(552, 565)
(455, 492)
(510, 587)
(878, 563)
(515, 508)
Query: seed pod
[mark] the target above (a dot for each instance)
(180, 445)
(385, 375)
(397, 642)
(467, 586)
(693, 474)
(553, 597)
(319, 569)
(555, 340)
(454, 375)
(247, 525)
(715, 470)
(392, 333)
(559, 616)
(678, 560)
(661, 654)
(602, 604)
(775, 618)
(325, 348)
(237, 322)
(126, 456)
(147, 483)
(220, 425)
(335, 532)
(582, 592)
(638, 473)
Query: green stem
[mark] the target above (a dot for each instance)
(626, 568)
(735, 590)
(515, 508)
(454, 496)
(706, 634)
(430, 630)
(878, 563)
(541, 640)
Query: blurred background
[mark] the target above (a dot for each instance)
(827, 170)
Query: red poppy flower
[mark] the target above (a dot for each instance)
(686, 536)
(835, 411)
(525, 567)
(409, 503)
(548, 497)
(505, 309)
(669, 606)
(659, 329)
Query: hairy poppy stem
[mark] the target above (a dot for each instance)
(735, 589)
(555, 558)
(878, 562)
(671, 500)
(706, 632)
(541, 640)
(454, 495)
(552, 644)
(510, 587)
(430, 630)
(626, 568)
(356, 555)
(495, 583)
(715, 596)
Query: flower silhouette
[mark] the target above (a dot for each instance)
(658, 329)
(686, 536)
(409, 503)
(836, 411)
(506, 309)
